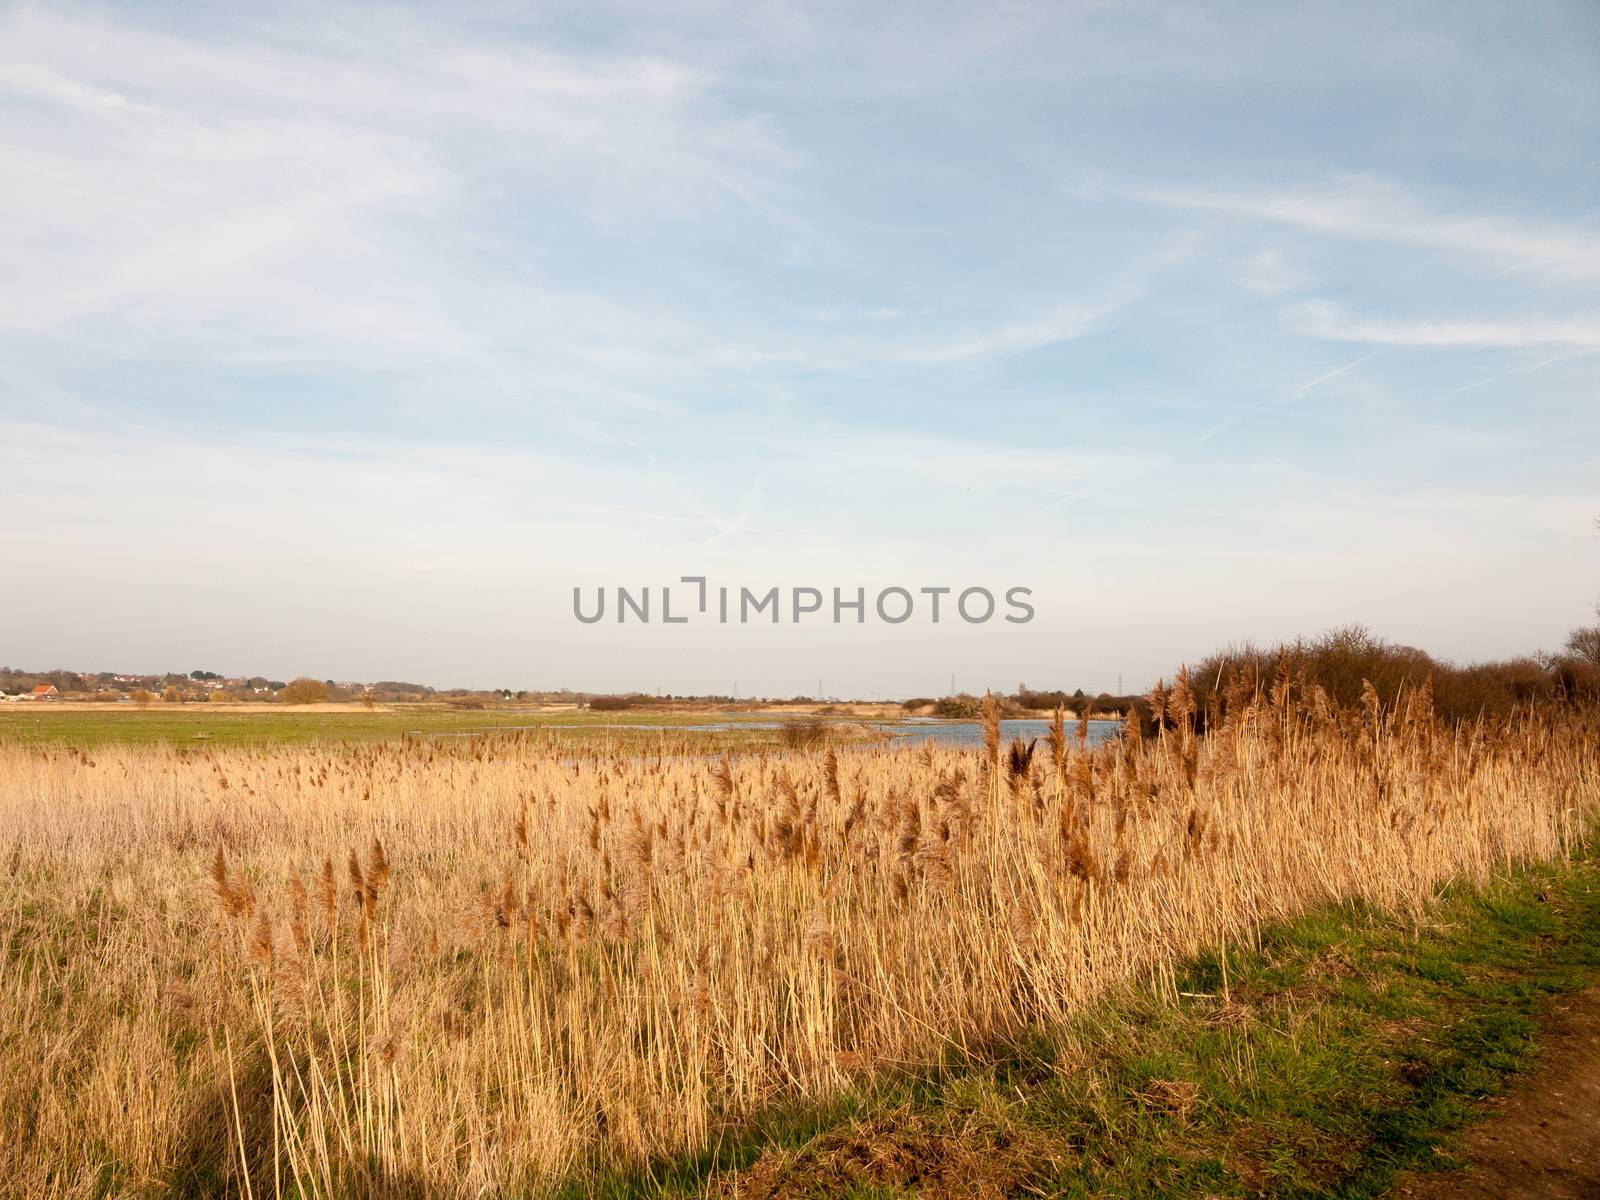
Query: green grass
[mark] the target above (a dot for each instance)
(191, 724)
(1349, 1047)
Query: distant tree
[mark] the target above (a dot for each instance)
(172, 695)
(218, 697)
(963, 707)
(304, 691)
(142, 697)
(368, 700)
(1584, 644)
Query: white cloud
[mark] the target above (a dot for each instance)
(598, 265)
(1367, 208)
(1269, 273)
(853, 316)
(321, 199)
(1311, 385)
(1525, 369)
(1333, 323)
(967, 463)
(38, 82)
(1062, 324)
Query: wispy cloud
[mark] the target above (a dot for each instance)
(320, 199)
(856, 316)
(1368, 208)
(969, 463)
(1063, 324)
(1332, 322)
(1281, 402)
(1305, 389)
(38, 82)
(1528, 369)
(584, 291)
(1269, 273)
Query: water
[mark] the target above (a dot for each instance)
(910, 731)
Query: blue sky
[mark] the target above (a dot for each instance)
(346, 339)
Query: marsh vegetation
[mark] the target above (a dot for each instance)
(469, 967)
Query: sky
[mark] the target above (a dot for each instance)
(349, 339)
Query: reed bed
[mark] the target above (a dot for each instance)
(487, 968)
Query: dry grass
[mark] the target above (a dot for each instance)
(454, 971)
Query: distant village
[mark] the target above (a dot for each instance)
(19, 686)
(209, 687)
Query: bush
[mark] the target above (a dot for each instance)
(610, 703)
(1028, 698)
(1344, 660)
(1493, 687)
(801, 732)
(304, 691)
(1578, 681)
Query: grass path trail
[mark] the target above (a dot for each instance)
(1541, 1141)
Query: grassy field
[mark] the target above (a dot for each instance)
(87, 726)
(488, 967)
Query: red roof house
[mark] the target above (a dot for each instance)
(45, 691)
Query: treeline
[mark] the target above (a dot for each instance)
(1025, 702)
(14, 680)
(201, 685)
(1341, 664)
(624, 701)
(1351, 666)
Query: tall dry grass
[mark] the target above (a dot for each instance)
(478, 969)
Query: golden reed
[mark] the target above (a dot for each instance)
(532, 964)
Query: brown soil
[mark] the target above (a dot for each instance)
(1542, 1140)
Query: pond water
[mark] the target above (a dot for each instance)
(910, 730)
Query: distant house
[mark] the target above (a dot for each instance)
(45, 691)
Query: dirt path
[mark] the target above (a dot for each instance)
(1541, 1141)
